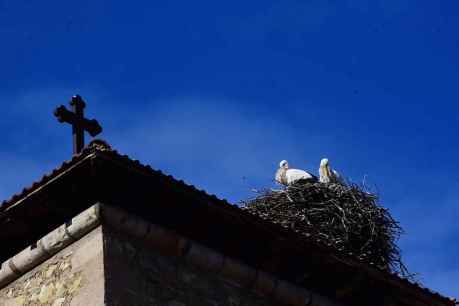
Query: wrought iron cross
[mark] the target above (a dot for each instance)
(79, 123)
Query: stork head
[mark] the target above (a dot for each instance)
(283, 164)
(324, 171)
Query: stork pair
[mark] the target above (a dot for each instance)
(287, 176)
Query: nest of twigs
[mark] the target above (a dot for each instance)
(345, 216)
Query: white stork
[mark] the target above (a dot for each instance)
(328, 175)
(286, 176)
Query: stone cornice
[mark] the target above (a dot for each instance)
(49, 245)
(166, 243)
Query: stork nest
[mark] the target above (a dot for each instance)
(345, 216)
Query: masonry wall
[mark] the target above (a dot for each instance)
(139, 276)
(104, 256)
(74, 276)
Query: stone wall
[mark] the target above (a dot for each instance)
(106, 256)
(139, 276)
(73, 276)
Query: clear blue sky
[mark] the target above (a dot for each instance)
(217, 93)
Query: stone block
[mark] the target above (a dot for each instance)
(84, 222)
(28, 258)
(242, 275)
(204, 258)
(7, 275)
(56, 240)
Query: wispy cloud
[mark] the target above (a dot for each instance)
(215, 144)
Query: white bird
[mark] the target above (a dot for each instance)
(286, 176)
(328, 175)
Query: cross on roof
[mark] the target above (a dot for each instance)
(78, 122)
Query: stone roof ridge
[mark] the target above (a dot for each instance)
(99, 145)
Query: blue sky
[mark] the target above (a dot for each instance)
(217, 93)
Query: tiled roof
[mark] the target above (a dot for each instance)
(103, 151)
(53, 174)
